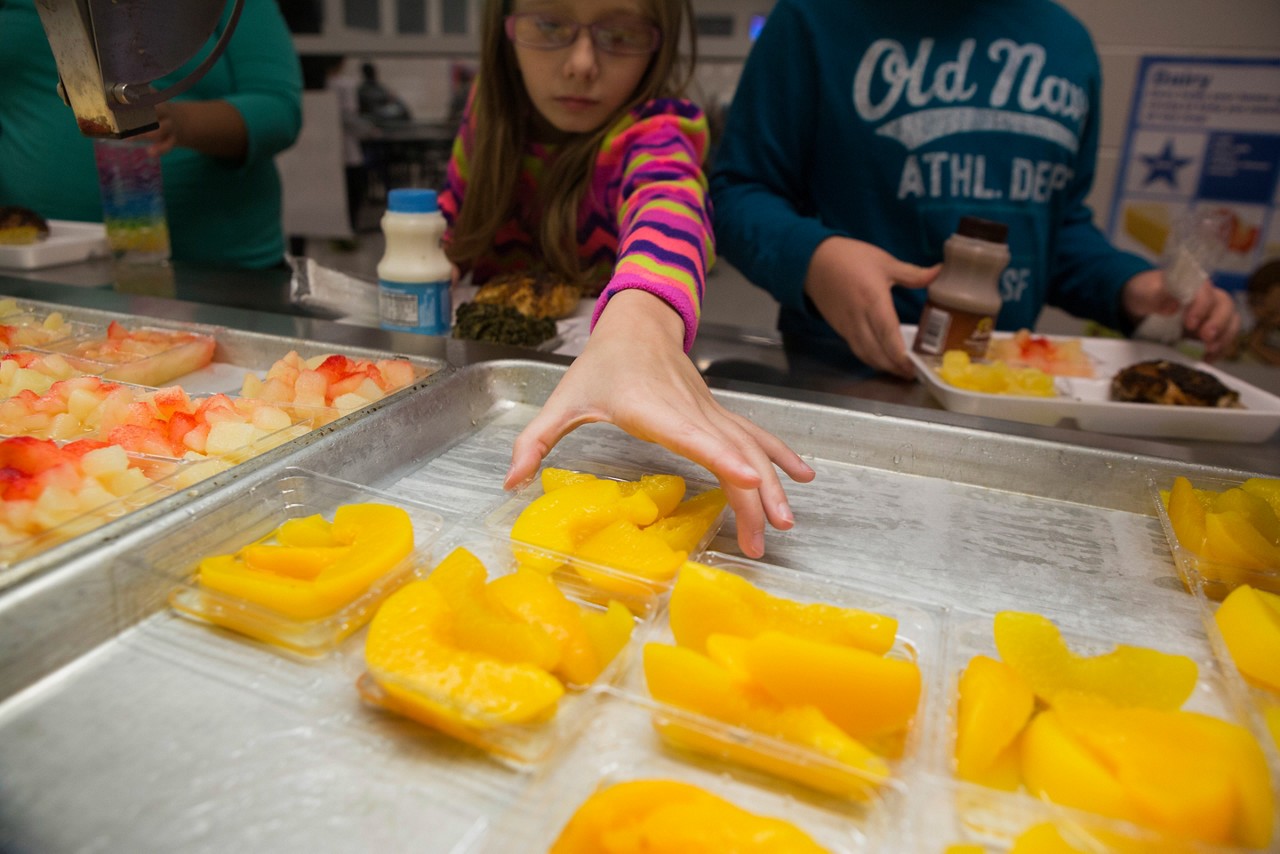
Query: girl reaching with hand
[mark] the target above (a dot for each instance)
(576, 156)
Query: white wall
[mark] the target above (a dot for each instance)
(1124, 30)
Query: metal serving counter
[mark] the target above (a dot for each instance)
(730, 358)
(126, 728)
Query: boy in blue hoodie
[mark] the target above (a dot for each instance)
(863, 130)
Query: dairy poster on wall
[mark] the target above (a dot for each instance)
(1203, 141)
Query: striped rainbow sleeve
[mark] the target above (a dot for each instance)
(665, 242)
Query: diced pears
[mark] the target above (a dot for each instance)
(706, 601)
(228, 436)
(1249, 620)
(100, 461)
(1126, 676)
(862, 693)
(994, 705)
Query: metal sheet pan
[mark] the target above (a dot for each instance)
(238, 352)
(123, 727)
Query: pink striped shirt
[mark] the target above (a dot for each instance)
(645, 220)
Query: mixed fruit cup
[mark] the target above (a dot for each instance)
(63, 382)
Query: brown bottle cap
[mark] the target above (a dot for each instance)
(983, 229)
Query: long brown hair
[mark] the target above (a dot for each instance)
(502, 113)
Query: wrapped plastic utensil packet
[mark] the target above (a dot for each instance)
(333, 293)
(1193, 249)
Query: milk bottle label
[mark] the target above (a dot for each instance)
(421, 307)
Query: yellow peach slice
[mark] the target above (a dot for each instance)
(862, 693)
(668, 817)
(706, 601)
(685, 527)
(554, 478)
(1252, 507)
(994, 705)
(1187, 774)
(560, 520)
(1266, 488)
(624, 546)
(666, 490)
(1186, 515)
(1126, 676)
(608, 630)
(534, 598)
(1249, 620)
(688, 680)
(1058, 767)
(1230, 538)
(312, 530)
(408, 651)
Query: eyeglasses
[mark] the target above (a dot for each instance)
(543, 31)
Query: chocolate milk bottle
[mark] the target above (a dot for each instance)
(965, 298)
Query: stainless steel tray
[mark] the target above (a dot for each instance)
(238, 352)
(124, 728)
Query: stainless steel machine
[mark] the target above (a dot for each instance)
(110, 52)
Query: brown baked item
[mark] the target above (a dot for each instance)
(20, 226)
(1172, 384)
(538, 296)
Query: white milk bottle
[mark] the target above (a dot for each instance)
(414, 275)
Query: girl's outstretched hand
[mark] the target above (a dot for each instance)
(633, 373)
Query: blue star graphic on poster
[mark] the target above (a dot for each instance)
(1164, 166)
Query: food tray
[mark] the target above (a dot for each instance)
(621, 746)
(165, 476)
(238, 352)
(160, 368)
(295, 494)
(1213, 579)
(503, 516)
(1000, 816)
(1088, 403)
(525, 746)
(919, 639)
(68, 242)
(1262, 703)
(101, 683)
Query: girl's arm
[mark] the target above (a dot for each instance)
(634, 374)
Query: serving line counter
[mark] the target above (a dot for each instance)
(124, 727)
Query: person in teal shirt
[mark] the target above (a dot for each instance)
(217, 141)
(863, 130)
